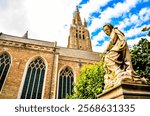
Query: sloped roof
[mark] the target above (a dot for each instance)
(28, 40)
(79, 53)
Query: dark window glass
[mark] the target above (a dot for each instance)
(41, 85)
(36, 84)
(5, 62)
(33, 85)
(25, 87)
(66, 79)
(60, 87)
(76, 35)
(83, 37)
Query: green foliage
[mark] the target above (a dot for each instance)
(141, 58)
(147, 29)
(90, 82)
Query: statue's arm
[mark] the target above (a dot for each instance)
(109, 46)
(113, 39)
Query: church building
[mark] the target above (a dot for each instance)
(35, 69)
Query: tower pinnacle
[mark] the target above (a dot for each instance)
(77, 18)
(85, 25)
(79, 37)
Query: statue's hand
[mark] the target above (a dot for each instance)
(105, 52)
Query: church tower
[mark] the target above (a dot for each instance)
(79, 37)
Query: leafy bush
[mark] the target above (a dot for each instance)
(90, 82)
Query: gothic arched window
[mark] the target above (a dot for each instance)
(5, 62)
(66, 79)
(33, 84)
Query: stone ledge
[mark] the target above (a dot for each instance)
(127, 91)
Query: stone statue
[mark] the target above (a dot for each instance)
(117, 60)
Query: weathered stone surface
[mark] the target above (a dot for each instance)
(127, 91)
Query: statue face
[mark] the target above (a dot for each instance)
(107, 30)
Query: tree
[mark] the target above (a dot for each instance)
(147, 29)
(141, 58)
(90, 82)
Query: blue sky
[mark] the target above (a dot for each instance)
(50, 20)
(130, 16)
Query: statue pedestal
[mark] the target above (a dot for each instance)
(127, 91)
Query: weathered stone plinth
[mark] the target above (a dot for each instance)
(127, 91)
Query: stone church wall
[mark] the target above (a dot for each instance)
(22, 52)
(20, 57)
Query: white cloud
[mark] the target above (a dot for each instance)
(135, 19)
(133, 41)
(112, 12)
(134, 31)
(101, 36)
(13, 17)
(3, 4)
(92, 6)
(102, 48)
(148, 38)
(44, 19)
(144, 14)
(136, 40)
(106, 17)
(50, 20)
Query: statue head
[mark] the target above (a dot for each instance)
(108, 28)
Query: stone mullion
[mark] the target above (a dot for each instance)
(33, 82)
(38, 83)
(28, 82)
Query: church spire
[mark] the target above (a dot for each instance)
(77, 18)
(79, 37)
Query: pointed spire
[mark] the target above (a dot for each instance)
(85, 25)
(76, 18)
(25, 36)
(77, 10)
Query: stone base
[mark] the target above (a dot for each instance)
(127, 91)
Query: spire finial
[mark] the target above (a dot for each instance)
(25, 36)
(85, 25)
(76, 18)
(77, 9)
